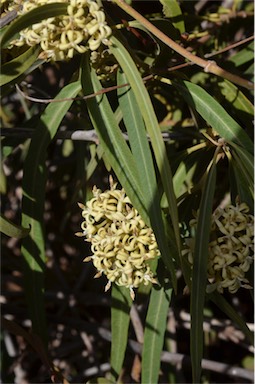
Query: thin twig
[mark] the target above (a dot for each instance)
(100, 92)
(209, 66)
(234, 45)
(113, 88)
(167, 357)
(78, 135)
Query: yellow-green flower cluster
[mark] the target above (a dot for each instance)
(231, 248)
(121, 242)
(83, 27)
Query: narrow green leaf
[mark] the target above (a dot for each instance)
(151, 123)
(112, 140)
(11, 229)
(245, 187)
(99, 380)
(243, 56)
(120, 319)
(199, 273)
(34, 16)
(146, 109)
(214, 114)
(138, 140)
(184, 176)
(246, 160)
(33, 248)
(225, 307)
(172, 10)
(159, 300)
(239, 185)
(18, 65)
(236, 97)
(142, 154)
(3, 181)
(155, 327)
(95, 158)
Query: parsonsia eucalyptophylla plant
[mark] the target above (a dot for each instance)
(231, 248)
(121, 242)
(82, 28)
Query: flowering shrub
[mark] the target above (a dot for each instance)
(121, 242)
(82, 28)
(230, 249)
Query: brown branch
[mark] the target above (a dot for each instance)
(234, 45)
(101, 92)
(146, 78)
(209, 66)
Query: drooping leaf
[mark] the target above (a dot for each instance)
(172, 10)
(112, 140)
(138, 140)
(243, 56)
(246, 161)
(153, 130)
(33, 246)
(18, 65)
(155, 329)
(214, 114)
(11, 229)
(120, 319)
(99, 380)
(235, 96)
(199, 273)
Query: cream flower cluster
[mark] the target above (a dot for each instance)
(82, 28)
(121, 242)
(231, 248)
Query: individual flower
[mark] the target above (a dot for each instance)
(82, 28)
(121, 243)
(231, 248)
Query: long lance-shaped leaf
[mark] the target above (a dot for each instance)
(11, 229)
(155, 330)
(111, 139)
(33, 248)
(246, 160)
(143, 101)
(172, 10)
(138, 140)
(120, 319)
(236, 97)
(240, 182)
(151, 123)
(142, 154)
(32, 17)
(18, 65)
(214, 114)
(199, 272)
(116, 149)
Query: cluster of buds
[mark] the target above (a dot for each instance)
(104, 63)
(82, 28)
(121, 243)
(231, 248)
